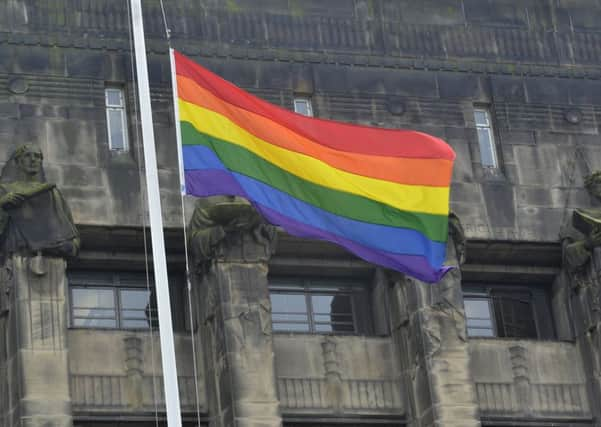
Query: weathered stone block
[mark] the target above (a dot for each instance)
(507, 89)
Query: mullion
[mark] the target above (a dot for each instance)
(309, 303)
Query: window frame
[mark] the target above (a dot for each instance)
(309, 103)
(116, 289)
(72, 308)
(492, 143)
(123, 114)
(128, 280)
(312, 286)
(538, 298)
(479, 296)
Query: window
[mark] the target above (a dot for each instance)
(118, 301)
(116, 118)
(486, 139)
(318, 306)
(303, 106)
(507, 312)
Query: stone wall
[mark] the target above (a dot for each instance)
(387, 63)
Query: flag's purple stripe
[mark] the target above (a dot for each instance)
(219, 182)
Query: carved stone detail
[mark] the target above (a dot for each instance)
(133, 364)
(34, 216)
(335, 390)
(521, 378)
(429, 326)
(579, 284)
(229, 228)
(231, 246)
(34, 344)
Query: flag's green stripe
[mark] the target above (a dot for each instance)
(240, 160)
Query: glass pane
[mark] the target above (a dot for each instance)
(335, 304)
(303, 106)
(347, 318)
(329, 310)
(487, 155)
(479, 323)
(95, 323)
(134, 298)
(481, 118)
(323, 327)
(515, 318)
(292, 327)
(288, 303)
(94, 312)
(334, 327)
(322, 303)
(322, 318)
(134, 314)
(477, 332)
(134, 324)
(283, 317)
(93, 298)
(114, 98)
(116, 130)
(477, 309)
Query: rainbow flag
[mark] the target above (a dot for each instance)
(383, 194)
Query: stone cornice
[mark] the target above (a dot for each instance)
(348, 57)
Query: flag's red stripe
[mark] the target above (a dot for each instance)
(340, 136)
(434, 172)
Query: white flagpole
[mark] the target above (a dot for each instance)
(156, 224)
(178, 130)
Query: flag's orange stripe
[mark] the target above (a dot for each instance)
(340, 136)
(416, 171)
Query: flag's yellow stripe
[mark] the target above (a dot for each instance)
(415, 198)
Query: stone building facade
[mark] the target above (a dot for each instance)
(284, 331)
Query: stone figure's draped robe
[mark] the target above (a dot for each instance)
(42, 222)
(582, 273)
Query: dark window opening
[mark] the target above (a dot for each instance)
(120, 301)
(507, 312)
(318, 306)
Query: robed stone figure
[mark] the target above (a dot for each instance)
(37, 234)
(577, 289)
(34, 217)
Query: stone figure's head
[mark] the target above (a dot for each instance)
(29, 159)
(592, 183)
(457, 235)
(25, 164)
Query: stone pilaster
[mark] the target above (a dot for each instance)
(521, 377)
(35, 354)
(134, 357)
(581, 292)
(428, 323)
(236, 327)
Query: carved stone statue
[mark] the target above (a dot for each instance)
(583, 234)
(37, 233)
(578, 286)
(219, 218)
(34, 216)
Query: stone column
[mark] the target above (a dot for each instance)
(428, 323)
(36, 350)
(580, 292)
(236, 319)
